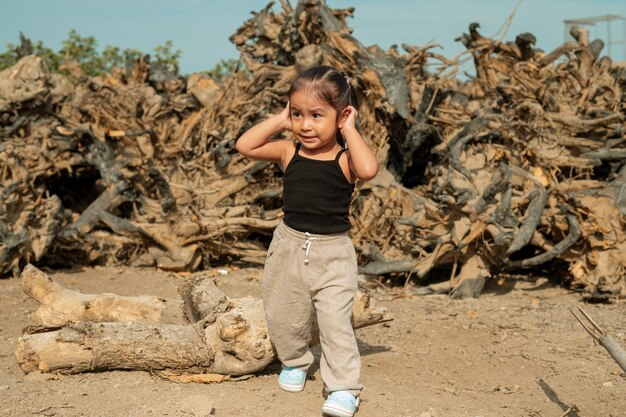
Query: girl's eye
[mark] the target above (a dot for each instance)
(295, 114)
(316, 115)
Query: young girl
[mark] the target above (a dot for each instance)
(311, 262)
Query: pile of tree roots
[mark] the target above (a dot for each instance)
(516, 170)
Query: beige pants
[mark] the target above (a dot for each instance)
(306, 274)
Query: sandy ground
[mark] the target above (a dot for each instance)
(515, 351)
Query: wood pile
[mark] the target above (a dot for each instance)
(519, 169)
(204, 332)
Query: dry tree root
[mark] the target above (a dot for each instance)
(522, 165)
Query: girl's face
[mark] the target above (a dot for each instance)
(313, 121)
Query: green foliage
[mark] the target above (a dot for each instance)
(10, 57)
(84, 51)
(114, 57)
(164, 54)
(223, 69)
(53, 59)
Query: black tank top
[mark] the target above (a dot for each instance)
(316, 195)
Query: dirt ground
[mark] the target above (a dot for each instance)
(515, 351)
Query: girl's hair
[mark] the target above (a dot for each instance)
(329, 85)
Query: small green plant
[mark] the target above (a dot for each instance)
(165, 54)
(225, 68)
(83, 51)
(26, 47)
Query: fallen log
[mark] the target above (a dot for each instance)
(59, 307)
(231, 338)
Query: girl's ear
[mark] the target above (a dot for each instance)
(343, 116)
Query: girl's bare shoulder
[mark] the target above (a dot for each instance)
(345, 163)
(289, 150)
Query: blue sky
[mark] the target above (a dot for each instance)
(201, 28)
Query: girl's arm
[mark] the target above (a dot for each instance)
(361, 160)
(255, 142)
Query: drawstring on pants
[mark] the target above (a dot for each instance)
(307, 246)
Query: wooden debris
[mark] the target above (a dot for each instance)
(519, 167)
(77, 333)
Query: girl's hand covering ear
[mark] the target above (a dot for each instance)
(285, 118)
(350, 122)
